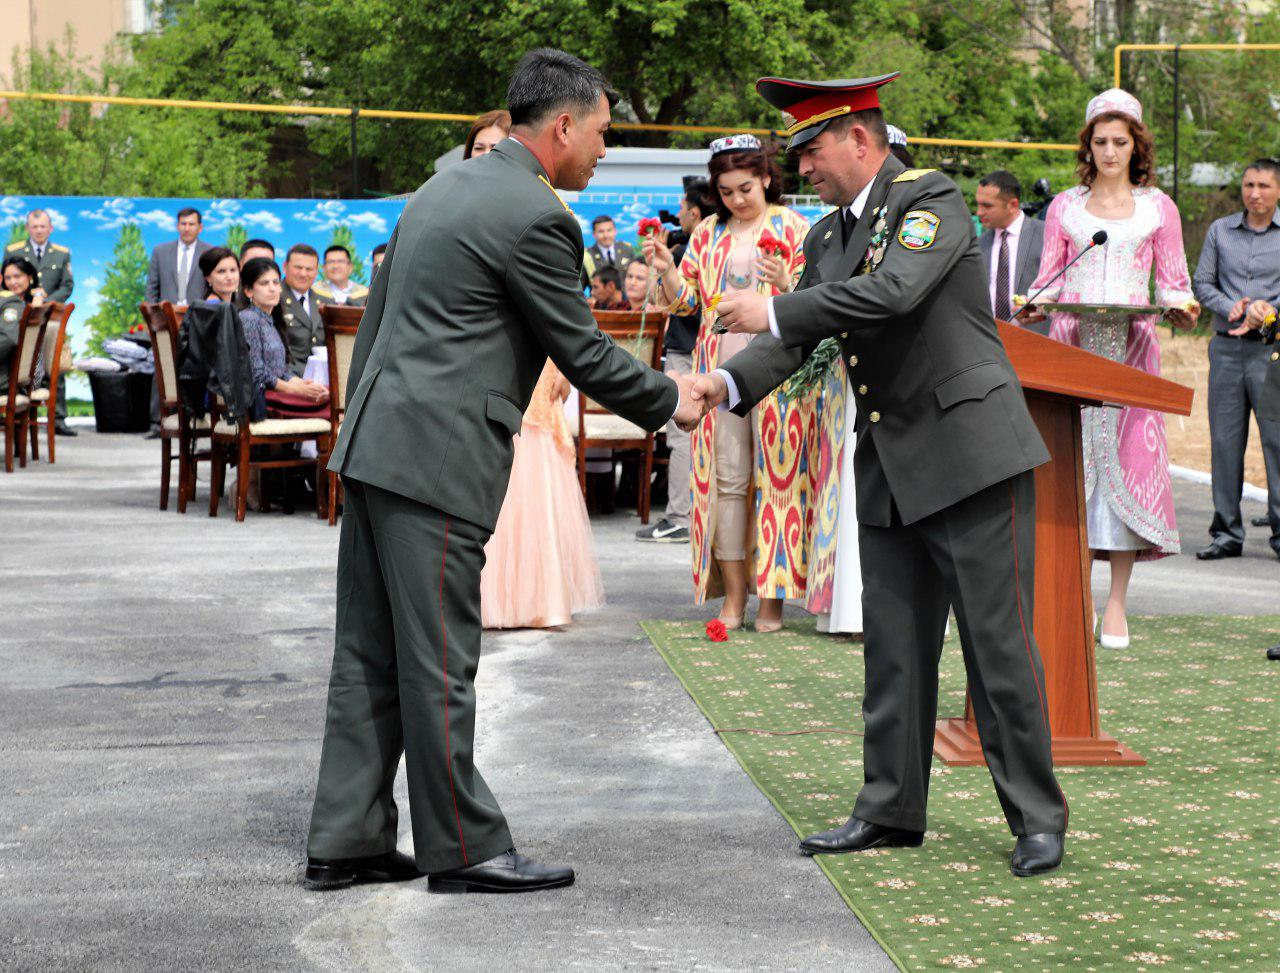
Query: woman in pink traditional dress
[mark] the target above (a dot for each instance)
(1129, 504)
(540, 568)
(752, 505)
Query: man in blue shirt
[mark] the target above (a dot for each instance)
(1240, 265)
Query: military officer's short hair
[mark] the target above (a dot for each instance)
(1004, 182)
(872, 119)
(336, 248)
(35, 213)
(601, 219)
(304, 249)
(547, 80)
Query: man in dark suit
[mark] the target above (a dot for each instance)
(300, 304)
(607, 251)
(53, 271)
(174, 275)
(944, 460)
(1011, 244)
(479, 285)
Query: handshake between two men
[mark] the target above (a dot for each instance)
(745, 313)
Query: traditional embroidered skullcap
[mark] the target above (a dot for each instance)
(896, 135)
(1114, 101)
(736, 143)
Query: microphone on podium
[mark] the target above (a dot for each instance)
(1097, 240)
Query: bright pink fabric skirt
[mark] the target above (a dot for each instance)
(540, 566)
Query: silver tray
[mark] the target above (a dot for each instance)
(1076, 307)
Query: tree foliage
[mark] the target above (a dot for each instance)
(123, 289)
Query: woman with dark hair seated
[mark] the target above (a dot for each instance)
(221, 271)
(287, 395)
(21, 278)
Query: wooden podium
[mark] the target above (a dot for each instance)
(1058, 379)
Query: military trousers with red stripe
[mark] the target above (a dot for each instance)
(407, 645)
(977, 556)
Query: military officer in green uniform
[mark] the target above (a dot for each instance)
(53, 265)
(943, 464)
(300, 305)
(11, 306)
(479, 286)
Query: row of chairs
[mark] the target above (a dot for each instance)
(42, 331)
(225, 442)
(597, 427)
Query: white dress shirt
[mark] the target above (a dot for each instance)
(1013, 231)
(856, 207)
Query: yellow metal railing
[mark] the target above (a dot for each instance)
(428, 116)
(1121, 48)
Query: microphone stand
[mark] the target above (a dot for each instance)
(1054, 278)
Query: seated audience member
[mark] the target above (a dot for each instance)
(375, 258)
(635, 287)
(337, 286)
(256, 248)
(606, 290)
(489, 129)
(263, 324)
(21, 278)
(221, 270)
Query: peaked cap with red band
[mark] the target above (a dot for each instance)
(808, 106)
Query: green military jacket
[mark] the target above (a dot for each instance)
(303, 330)
(357, 294)
(479, 286)
(54, 267)
(940, 412)
(11, 307)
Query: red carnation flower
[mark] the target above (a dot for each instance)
(648, 226)
(771, 245)
(716, 631)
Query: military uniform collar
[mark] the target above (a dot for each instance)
(515, 150)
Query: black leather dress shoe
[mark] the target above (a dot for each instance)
(509, 872)
(1216, 551)
(1273, 653)
(858, 835)
(62, 429)
(1260, 522)
(1035, 854)
(324, 874)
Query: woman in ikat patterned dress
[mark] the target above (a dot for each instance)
(1129, 506)
(752, 490)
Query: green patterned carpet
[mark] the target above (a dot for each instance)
(1172, 866)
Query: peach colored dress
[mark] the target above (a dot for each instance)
(540, 567)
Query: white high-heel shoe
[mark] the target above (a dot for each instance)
(1115, 641)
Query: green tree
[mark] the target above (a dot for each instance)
(17, 232)
(236, 235)
(343, 237)
(122, 291)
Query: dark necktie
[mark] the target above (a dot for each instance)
(850, 221)
(39, 254)
(1002, 307)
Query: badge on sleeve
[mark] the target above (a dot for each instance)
(918, 230)
(11, 314)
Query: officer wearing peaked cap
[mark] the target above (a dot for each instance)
(943, 463)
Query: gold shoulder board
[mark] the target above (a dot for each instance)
(911, 175)
(59, 248)
(15, 246)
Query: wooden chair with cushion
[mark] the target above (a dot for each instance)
(175, 425)
(57, 359)
(15, 404)
(598, 428)
(340, 324)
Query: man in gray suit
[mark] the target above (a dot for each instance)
(479, 285)
(1011, 244)
(174, 276)
(944, 465)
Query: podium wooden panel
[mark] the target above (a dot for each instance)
(1058, 379)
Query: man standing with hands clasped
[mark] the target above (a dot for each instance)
(944, 461)
(479, 286)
